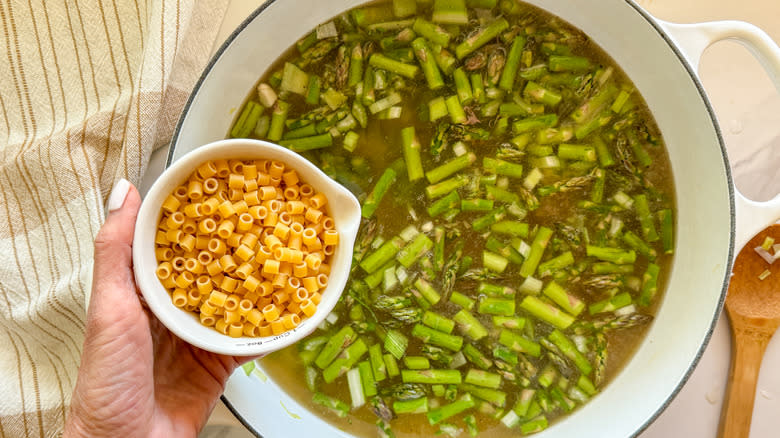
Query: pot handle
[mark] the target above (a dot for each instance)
(692, 40)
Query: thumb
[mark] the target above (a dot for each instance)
(113, 273)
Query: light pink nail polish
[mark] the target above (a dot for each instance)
(118, 195)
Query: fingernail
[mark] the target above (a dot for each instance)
(118, 195)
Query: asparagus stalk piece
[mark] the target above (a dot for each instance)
(481, 37)
(546, 312)
(512, 65)
(442, 413)
(411, 148)
(427, 63)
(435, 337)
(538, 246)
(469, 325)
(378, 60)
(432, 32)
(431, 376)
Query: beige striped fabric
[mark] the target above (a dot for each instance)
(88, 88)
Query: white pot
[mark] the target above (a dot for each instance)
(713, 218)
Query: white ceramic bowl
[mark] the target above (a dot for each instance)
(342, 206)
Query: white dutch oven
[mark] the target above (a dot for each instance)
(713, 218)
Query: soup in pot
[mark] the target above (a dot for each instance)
(518, 215)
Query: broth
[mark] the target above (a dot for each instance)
(595, 176)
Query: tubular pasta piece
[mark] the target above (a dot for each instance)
(272, 242)
(193, 297)
(231, 316)
(308, 307)
(209, 206)
(250, 171)
(214, 268)
(180, 193)
(244, 270)
(250, 185)
(240, 206)
(290, 177)
(225, 229)
(244, 306)
(193, 265)
(301, 269)
(174, 221)
(300, 295)
(217, 298)
(265, 329)
(189, 226)
(322, 281)
(193, 210)
(267, 192)
(207, 169)
(271, 266)
(279, 280)
(178, 263)
(275, 169)
(161, 238)
(271, 313)
(171, 204)
(173, 236)
(252, 198)
(231, 303)
(226, 209)
(245, 221)
(236, 181)
(210, 186)
(330, 237)
(328, 223)
(271, 218)
(277, 327)
(290, 321)
(306, 191)
(290, 193)
(203, 283)
(234, 240)
(187, 242)
(228, 284)
(179, 297)
(292, 285)
(194, 190)
(207, 320)
(164, 270)
(163, 254)
(250, 330)
(168, 283)
(313, 215)
(217, 247)
(280, 297)
(184, 279)
(249, 239)
(236, 329)
(221, 325)
(228, 264)
(318, 201)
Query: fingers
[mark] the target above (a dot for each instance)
(113, 273)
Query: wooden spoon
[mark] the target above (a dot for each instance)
(753, 306)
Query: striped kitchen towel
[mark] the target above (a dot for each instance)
(88, 89)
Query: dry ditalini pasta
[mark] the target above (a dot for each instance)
(245, 245)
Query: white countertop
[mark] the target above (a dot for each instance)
(748, 108)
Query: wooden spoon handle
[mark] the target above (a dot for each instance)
(749, 347)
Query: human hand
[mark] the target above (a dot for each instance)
(136, 378)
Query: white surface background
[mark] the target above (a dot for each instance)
(748, 109)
